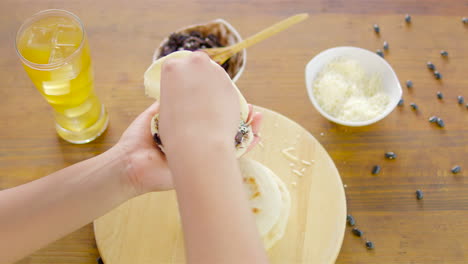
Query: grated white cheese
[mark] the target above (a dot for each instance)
(289, 155)
(345, 91)
(298, 173)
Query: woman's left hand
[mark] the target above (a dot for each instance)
(147, 168)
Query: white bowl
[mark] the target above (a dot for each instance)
(371, 63)
(227, 33)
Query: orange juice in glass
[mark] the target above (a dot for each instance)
(53, 48)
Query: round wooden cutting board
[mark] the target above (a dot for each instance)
(147, 229)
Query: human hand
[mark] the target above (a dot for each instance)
(147, 168)
(199, 106)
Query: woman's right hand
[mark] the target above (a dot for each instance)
(199, 106)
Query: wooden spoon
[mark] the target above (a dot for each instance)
(221, 55)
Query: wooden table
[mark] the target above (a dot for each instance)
(123, 35)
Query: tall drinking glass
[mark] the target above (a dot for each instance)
(54, 50)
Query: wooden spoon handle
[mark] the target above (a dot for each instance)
(264, 34)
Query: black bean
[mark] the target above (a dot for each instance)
(385, 45)
(440, 122)
(376, 28)
(460, 99)
(226, 65)
(99, 260)
(419, 194)
(238, 138)
(443, 53)
(357, 232)
(350, 220)
(196, 34)
(390, 155)
(174, 39)
(369, 245)
(414, 106)
(215, 39)
(433, 119)
(456, 169)
(166, 50)
(440, 95)
(465, 20)
(430, 65)
(380, 53)
(400, 103)
(157, 139)
(409, 83)
(376, 169)
(408, 18)
(437, 75)
(192, 43)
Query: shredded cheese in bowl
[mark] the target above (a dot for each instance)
(347, 92)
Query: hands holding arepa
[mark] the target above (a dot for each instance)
(213, 120)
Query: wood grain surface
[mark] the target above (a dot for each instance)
(148, 230)
(124, 34)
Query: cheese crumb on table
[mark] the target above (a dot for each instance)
(345, 91)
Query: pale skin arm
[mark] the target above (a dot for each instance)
(218, 224)
(37, 213)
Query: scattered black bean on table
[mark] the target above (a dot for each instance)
(419, 194)
(433, 119)
(369, 245)
(385, 45)
(357, 232)
(408, 18)
(456, 169)
(376, 28)
(350, 219)
(376, 169)
(380, 53)
(99, 260)
(440, 122)
(390, 155)
(440, 95)
(409, 84)
(430, 65)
